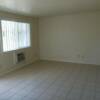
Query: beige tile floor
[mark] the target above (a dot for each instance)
(47, 80)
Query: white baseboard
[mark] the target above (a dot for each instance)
(69, 61)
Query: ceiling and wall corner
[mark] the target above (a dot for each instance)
(48, 7)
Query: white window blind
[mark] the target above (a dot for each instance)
(15, 35)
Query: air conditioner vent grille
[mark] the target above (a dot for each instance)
(20, 57)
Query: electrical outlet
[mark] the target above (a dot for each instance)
(82, 57)
(78, 56)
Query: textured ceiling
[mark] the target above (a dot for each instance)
(48, 7)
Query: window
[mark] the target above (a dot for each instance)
(15, 35)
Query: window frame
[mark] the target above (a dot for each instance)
(1, 41)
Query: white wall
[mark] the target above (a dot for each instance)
(7, 59)
(71, 38)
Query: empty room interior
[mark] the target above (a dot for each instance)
(49, 50)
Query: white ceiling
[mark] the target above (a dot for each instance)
(48, 7)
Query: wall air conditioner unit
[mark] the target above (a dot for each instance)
(19, 57)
